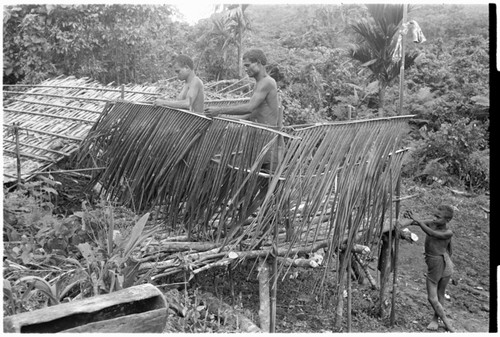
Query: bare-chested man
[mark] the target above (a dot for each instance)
(263, 105)
(437, 257)
(192, 96)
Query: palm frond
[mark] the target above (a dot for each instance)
(338, 172)
(333, 183)
(188, 163)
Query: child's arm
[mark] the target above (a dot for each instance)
(443, 235)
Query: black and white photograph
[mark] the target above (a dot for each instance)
(259, 167)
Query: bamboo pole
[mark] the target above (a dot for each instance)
(390, 256)
(402, 69)
(45, 133)
(51, 115)
(28, 155)
(274, 285)
(70, 171)
(349, 295)
(370, 278)
(37, 147)
(229, 86)
(18, 154)
(58, 106)
(59, 96)
(246, 85)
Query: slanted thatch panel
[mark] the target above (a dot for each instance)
(54, 117)
(206, 174)
(191, 165)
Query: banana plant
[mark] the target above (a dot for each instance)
(55, 291)
(115, 268)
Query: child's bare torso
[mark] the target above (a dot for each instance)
(435, 246)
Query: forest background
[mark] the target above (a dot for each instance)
(309, 48)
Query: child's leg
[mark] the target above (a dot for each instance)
(432, 296)
(441, 287)
(432, 293)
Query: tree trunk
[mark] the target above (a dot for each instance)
(264, 312)
(240, 58)
(240, 44)
(381, 100)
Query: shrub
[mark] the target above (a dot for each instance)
(459, 149)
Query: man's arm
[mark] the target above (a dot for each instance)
(258, 96)
(185, 98)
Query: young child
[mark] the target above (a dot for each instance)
(437, 257)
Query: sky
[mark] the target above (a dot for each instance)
(195, 10)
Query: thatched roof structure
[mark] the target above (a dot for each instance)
(56, 115)
(333, 185)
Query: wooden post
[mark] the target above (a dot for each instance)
(123, 91)
(349, 294)
(18, 155)
(384, 265)
(402, 68)
(340, 291)
(265, 306)
(396, 253)
(274, 275)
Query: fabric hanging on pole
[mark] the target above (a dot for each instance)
(414, 32)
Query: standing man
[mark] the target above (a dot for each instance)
(192, 96)
(263, 105)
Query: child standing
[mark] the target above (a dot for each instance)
(437, 257)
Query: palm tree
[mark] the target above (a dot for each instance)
(378, 41)
(232, 25)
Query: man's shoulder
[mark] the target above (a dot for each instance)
(268, 82)
(198, 80)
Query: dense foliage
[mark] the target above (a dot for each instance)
(104, 42)
(308, 52)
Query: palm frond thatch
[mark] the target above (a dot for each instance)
(207, 173)
(192, 165)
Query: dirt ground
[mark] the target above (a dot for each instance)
(468, 305)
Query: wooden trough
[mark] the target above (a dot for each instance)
(142, 308)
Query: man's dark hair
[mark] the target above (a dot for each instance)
(184, 61)
(255, 55)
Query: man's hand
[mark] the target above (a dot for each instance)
(157, 102)
(211, 112)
